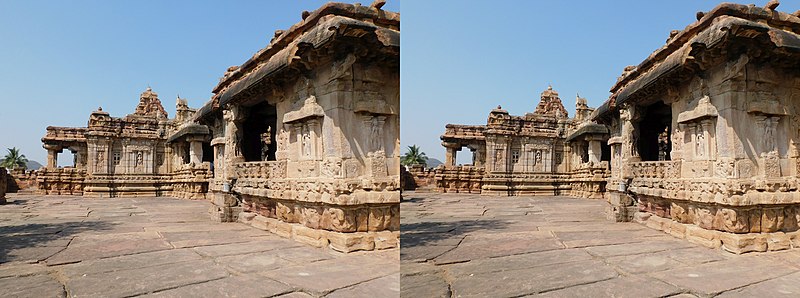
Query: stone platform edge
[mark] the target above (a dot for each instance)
(730, 242)
(338, 241)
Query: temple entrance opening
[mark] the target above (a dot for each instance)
(655, 129)
(258, 138)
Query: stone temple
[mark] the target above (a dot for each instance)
(544, 153)
(301, 140)
(700, 140)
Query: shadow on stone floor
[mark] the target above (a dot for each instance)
(38, 239)
(444, 232)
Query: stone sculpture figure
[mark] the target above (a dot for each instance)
(770, 123)
(701, 143)
(375, 133)
(266, 142)
(306, 142)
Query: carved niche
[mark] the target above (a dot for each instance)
(305, 123)
(697, 125)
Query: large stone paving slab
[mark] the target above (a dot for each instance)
(167, 247)
(465, 245)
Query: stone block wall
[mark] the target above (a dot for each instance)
(459, 179)
(190, 181)
(61, 181)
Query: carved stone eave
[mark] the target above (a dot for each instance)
(692, 49)
(276, 61)
(704, 109)
(588, 128)
(218, 141)
(310, 109)
(614, 140)
(187, 130)
(767, 107)
(379, 107)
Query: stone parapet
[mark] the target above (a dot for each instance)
(130, 185)
(459, 179)
(61, 181)
(190, 181)
(589, 181)
(517, 184)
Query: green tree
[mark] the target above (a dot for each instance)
(13, 159)
(414, 156)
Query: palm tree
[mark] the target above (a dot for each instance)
(414, 156)
(13, 159)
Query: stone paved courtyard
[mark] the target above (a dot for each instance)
(56, 246)
(463, 245)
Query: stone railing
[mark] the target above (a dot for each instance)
(61, 181)
(589, 180)
(255, 174)
(655, 169)
(190, 181)
(459, 179)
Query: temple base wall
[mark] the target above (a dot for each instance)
(62, 181)
(732, 242)
(459, 179)
(345, 228)
(339, 241)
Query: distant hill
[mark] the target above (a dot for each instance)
(33, 165)
(432, 162)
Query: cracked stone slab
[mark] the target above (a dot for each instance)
(144, 280)
(106, 249)
(495, 245)
(256, 262)
(234, 286)
(428, 285)
(643, 263)
(784, 286)
(531, 280)
(19, 269)
(717, 277)
(387, 286)
(325, 276)
(422, 253)
(515, 262)
(128, 262)
(637, 248)
(305, 255)
(32, 286)
(28, 254)
(620, 287)
(246, 247)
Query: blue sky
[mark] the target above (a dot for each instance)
(60, 60)
(461, 59)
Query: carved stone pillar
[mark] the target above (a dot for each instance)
(594, 151)
(630, 136)
(450, 156)
(52, 155)
(195, 152)
(481, 156)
